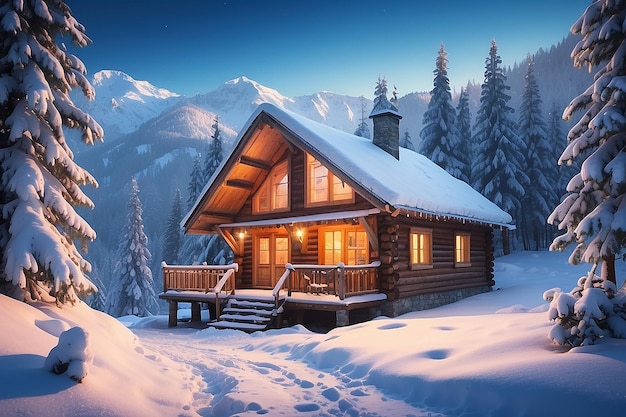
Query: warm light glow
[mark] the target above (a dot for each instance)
(299, 234)
(241, 235)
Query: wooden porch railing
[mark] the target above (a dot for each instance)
(340, 280)
(207, 278)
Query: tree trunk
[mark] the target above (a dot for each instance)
(608, 269)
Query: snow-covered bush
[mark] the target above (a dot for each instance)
(72, 354)
(589, 311)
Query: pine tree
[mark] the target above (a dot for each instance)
(214, 156)
(499, 169)
(406, 142)
(381, 102)
(464, 125)
(363, 129)
(210, 249)
(557, 138)
(40, 184)
(440, 136)
(196, 182)
(173, 236)
(540, 195)
(133, 292)
(97, 300)
(593, 212)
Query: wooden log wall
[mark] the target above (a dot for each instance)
(398, 280)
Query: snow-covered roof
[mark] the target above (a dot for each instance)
(412, 183)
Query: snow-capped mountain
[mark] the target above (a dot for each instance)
(122, 103)
(236, 99)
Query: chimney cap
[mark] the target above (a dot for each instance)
(382, 106)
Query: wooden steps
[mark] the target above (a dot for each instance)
(249, 315)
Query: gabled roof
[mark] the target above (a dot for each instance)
(412, 184)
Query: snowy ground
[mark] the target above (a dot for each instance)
(488, 355)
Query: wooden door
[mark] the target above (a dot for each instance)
(271, 253)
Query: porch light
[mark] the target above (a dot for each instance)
(241, 235)
(299, 235)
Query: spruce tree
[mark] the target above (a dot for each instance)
(363, 129)
(214, 156)
(173, 236)
(593, 212)
(132, 293)
(540, 168)
(97, 300)
(210, 249)
(440, 136)
(557, 138)
(196, 182)
(406, 142)
(499, 160)
(464, 125)
(40, 183)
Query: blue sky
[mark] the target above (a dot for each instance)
(300, 47)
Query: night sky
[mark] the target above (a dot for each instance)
(300, 47)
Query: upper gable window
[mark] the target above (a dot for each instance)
(274, 192)
(323, 186)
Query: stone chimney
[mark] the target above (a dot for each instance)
(386, 120)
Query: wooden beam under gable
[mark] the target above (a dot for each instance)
(372, 236)
(233, 244)
(243, 184)
(253, 162)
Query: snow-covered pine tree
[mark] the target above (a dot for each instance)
(210, 249)
(363, 129)
(173, 233)
(406, 142)
(97, 300)
(40, 184)
(593, 213)
(464, 125)
(439, 135)
(132, 292)
(196, 182)
(557, 138)
(499, 161)
(540, 168)
(394, 97)
(214, 156)
(381, 102)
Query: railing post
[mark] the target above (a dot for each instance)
(342, 280)
(163, 267)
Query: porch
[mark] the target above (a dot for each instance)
(301, 290)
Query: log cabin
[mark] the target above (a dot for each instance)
(325, 221)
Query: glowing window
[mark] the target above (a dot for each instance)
(346, 244)
(323, 186)
(462, 249)
(274, 192)
(421, 248)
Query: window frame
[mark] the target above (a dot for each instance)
(465, 259)
(310, 160)
(344, 243)
(428, 263)
(269, 185)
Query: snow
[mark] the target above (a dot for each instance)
(487, 355)
(431, 190)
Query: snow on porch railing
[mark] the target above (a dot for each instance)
(196, 277)
(341, 280)
(207, 278)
